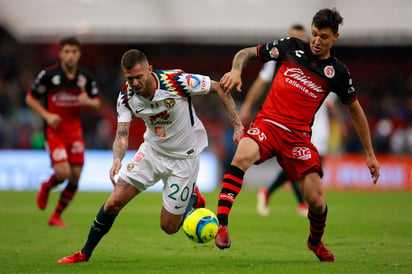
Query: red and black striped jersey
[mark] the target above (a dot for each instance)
(301, 83)
(60, 96)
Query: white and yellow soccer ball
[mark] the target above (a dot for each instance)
(200, 225)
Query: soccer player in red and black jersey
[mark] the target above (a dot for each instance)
(57, 95)
(305, 74)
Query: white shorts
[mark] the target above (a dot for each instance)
(178, 175)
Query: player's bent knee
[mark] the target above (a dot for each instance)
(113, 207)
(243, 161)
(62, 175)
(316, 204)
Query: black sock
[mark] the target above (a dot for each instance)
(100, 227)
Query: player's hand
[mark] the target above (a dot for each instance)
(53, 120)
(230, 80)
(374, 168)
(84, 99)
(117, 164)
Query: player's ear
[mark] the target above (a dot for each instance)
(150, 68)
(336, 37)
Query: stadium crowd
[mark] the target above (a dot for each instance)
(381, 75)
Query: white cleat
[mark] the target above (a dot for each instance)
(262, 207)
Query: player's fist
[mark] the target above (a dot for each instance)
(53, 120)
(84, 98)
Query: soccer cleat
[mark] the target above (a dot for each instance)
(302, 209)
(262, 207)
(201, 201)
(77, 257)
(43, 195)
(55, 220)
(222, 239)
(324, 254)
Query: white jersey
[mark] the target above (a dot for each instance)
(320, 127)
(172, 126)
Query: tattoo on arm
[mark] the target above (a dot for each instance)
(242, 57)
(229, 105)
(120, 144)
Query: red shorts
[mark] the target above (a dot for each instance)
(293, 149)
(63, 149)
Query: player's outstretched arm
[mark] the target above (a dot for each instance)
(230, 106)
(232, 78)
(120, 145)
(361, 125)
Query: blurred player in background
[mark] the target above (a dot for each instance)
(173, 141)
(57, 95)
(307, 73)
(258, 88)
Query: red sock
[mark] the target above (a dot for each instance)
(52, 181)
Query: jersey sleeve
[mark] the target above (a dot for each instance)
(181, 83)
(195, 84)
(39, 87)
(275, 50)
(124, 112)
(91, 87)
(345, 89)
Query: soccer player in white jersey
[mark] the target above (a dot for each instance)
(171, 149)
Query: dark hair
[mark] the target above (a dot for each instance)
(328, 18)
(73, 41)
(299, 27)
(132, 57)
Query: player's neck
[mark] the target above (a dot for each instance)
(69, 71)
(151, 89)
(325, 56)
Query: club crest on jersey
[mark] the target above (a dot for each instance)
(329, 71)
(302, 153)
(274, 52)
(81, 81)
(130, 166)
(169, 102)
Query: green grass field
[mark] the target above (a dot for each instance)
(368, 233)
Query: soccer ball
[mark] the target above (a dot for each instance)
(200, 225)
